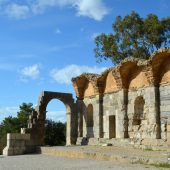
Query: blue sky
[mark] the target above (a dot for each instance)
(43, 43)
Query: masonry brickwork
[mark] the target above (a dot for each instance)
(130, 101)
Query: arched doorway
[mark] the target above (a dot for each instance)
(138, 110)
(55, 124)
(90, 122)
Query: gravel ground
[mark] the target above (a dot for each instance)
(50, 162)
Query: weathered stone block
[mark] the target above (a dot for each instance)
(8, 151)
(10, 136)
(168, 128)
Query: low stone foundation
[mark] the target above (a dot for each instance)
(16, 144)
(151, 144)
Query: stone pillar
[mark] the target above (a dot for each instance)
(72, 124)
(106, 126)
(80, 117)
(121, 115)
(101, 116)
(68, 129)
(38, 133)
(168, 134)
(98, 117)
(153, 100)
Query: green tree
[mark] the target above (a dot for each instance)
(133, 36)
(55, 133)
(23, 115)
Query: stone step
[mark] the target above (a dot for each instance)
(109, 153)
(154, 144)
(103, 141)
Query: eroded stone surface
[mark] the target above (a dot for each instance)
(117, 110)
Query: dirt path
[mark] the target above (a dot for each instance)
(50, 162)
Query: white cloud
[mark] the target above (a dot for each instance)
(64, 75)
(94, 9)
(17, 11)
(7, 111)
(57, 115)
(30, 72)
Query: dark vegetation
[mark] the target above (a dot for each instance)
(55, 131)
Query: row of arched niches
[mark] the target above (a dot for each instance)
(147, 104)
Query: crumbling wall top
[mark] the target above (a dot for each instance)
(123, 73)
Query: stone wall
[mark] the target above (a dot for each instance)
(164, 109)
(146, 125)
(110, 106)
(17, 144)
(93, 131)
(131, 100)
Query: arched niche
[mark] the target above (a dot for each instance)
(110, 83)
(138, 79)
(165, 72)
(138, 110)
(85, 85)
(126, 70)
(159, 62)
(89, 90)
(79, 84)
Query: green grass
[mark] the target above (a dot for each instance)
(162, 165)
(148, 149)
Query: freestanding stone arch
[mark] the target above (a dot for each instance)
(37, 120)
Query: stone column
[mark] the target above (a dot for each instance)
(98, 117)
(72, 124)
(121, 115)
(106, 126)
(153, 100)
(168, 134)
(68, 129)
(101, 116)
(80, 117)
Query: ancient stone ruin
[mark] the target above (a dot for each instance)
(33, 136)
(126, 105)
(130, 102)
